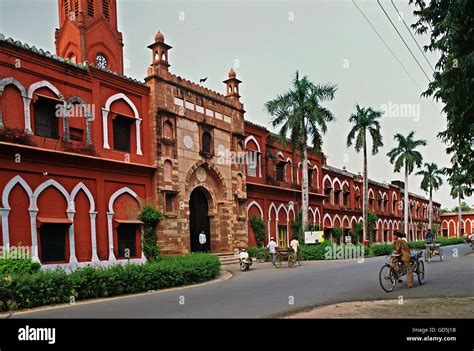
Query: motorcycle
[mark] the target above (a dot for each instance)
(245, 261)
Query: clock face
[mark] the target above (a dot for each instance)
(101, 61)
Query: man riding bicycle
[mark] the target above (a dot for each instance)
(401, 248)
(429, 237)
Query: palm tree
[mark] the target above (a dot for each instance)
(365, 120)
(301, 117)
(431, 181)
(458, 191)
(405, 155)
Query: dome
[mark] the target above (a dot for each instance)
(232, 73)
(159, 37)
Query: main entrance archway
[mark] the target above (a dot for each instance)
(199, 220)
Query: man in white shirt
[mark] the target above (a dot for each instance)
(272, 245)
(295, 244)
(202, 240)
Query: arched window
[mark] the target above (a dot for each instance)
(206, 142)
(168, 130)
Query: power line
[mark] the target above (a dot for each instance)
(404, 42)
(386, 45)
(409, 31)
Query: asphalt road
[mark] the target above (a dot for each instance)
(265, 291)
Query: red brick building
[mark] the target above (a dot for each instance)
(75, 160)
(83, 148)
(450, 223)
(335, 195)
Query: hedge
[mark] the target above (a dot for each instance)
(52, 287)
(18, 266)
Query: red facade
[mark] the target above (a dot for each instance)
(83, 148)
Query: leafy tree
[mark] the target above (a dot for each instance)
(150, 217)
(405, 155)
(372, 218)
(301, 116)
(258, 226)
(450, 24)
(365, 121)
(464, 207)
(431, 181)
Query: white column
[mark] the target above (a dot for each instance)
(105, 129)
(34, 236)
(95, 258)
(72, 245)
(26, 106)
(5, 233)
(110, 230)
(269, 227)
(139, 142)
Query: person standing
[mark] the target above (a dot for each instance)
(429, 237)
(295, 244)
(401, 247)
(202, 240)
(272, 245)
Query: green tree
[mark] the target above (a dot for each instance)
(301, 116)
(449, 24)
(458, 191)
(150, 217)
(258, 226)
(405, 155)
(365, 121)
(464, 207)
(372, 218)
(431, 181)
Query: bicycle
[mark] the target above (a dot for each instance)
(391, 272)
(264, 256)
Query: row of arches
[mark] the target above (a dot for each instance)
(26, 211)
(451, 227)
(27, 96)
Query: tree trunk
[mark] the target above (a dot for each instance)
(365, 198)
(459, 216)
(405, 215)
(304, 191)
(430, 213)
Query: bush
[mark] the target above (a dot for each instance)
(417, 245)
(381, 249)
(46, 287)
(18, 266)
(254, 251)
(314, 252)
(444, 241)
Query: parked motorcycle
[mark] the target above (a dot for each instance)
(245, 261)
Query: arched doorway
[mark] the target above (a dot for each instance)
(199, 220)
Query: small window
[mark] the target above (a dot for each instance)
(53, 243)
(252, 162)
(106, 9)
(169, 200)
(206, 142)
(280, 171)
(46, 121)
(90, 8)
(122, 133)
(76, 134)
(127, 244)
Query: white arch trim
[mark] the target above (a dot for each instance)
(105, 114)
(251, 137)
(119, 192)
(54, 184)
(327, 216)
(83, 187)
(256, 204)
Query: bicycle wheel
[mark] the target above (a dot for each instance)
(300, 259)
(387, 278)
(427, 255)
(261, 257)
(278, 261)
(292, 260)
(420, 272)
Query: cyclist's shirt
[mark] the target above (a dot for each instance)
(429, 238)
(401, 246)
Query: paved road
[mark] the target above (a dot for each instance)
(265, 291)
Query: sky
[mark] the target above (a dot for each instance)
(266, 42)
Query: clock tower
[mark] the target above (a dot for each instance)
(88, 32)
